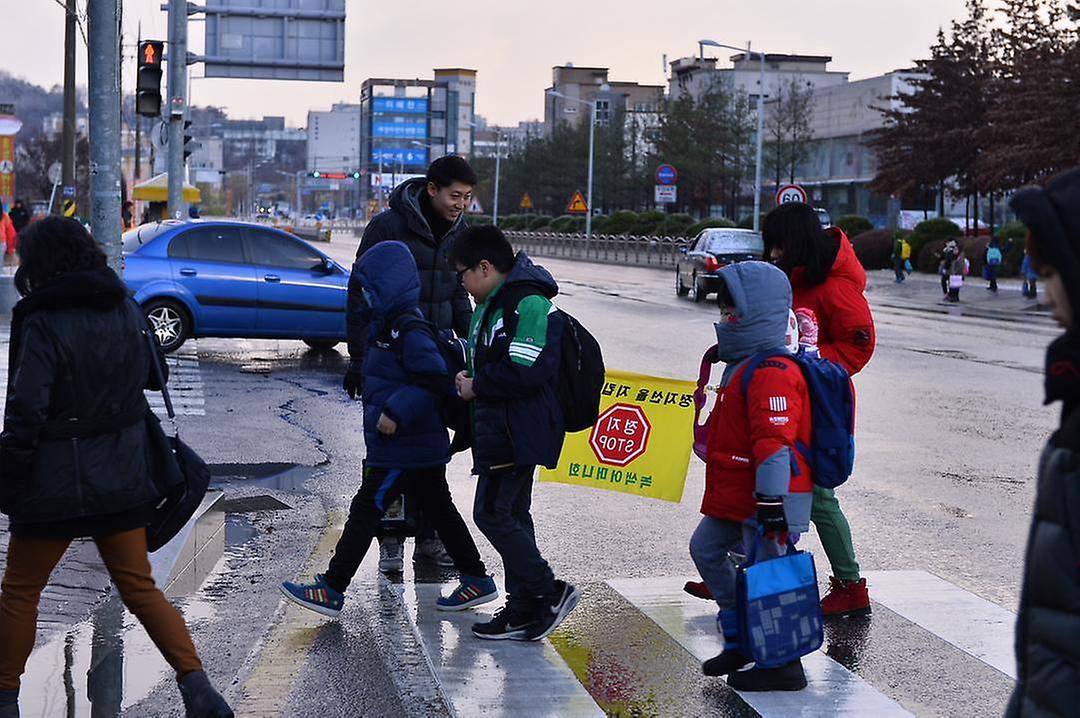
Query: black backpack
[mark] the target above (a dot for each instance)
(454, 410)
(581, 367)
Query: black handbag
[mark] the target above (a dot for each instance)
(181, 474)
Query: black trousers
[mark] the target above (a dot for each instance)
(379, 488)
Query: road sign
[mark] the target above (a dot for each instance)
(475, 207)
(526, 202)
(577, 204)
(69, 191)
(276, 40)
(666, 194)
(69, 208)
(666, 175)
(791, 193)
(620, 434)
(55, 170)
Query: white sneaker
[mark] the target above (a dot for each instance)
(432, 550)
(391, 554)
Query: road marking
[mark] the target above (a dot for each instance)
(493, 678)
(284, 650)
(978, 627)
(832, 689)
(185, 384)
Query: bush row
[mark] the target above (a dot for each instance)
(650, 223)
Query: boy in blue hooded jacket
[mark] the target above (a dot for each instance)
(405, 381)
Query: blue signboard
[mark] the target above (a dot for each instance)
(390, 156)
(666, 175)
(403, 130)
(399, 105)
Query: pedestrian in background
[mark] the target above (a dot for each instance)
(901, 252)
(755, 480)
(8, 236)
(426, 214)
(956, 272)
(945, 261)
(406, 382)
(826, 277)
(513, 367)
(127, 215)
(993, 259)
(1047, 649)
(1030, 287)
(20, 216)
(74, 454)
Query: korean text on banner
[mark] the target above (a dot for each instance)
(640, 443)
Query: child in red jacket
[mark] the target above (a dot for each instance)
(756, 482)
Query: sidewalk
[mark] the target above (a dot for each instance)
(922, 292)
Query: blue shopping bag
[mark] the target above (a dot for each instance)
(779, 608)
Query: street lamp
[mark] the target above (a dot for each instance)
(760, 118)
(592, 133)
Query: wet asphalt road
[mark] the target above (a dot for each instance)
(950, 425)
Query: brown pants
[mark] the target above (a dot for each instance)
(31, 561)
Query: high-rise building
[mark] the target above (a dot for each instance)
(334, 139)
(588, 84)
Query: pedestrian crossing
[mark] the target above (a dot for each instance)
(504, 678)
(185, 380)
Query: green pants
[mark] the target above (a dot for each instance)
(835, 534)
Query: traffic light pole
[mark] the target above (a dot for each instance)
(176, 105)
(103, 18)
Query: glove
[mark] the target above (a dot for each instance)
(770, 516)
(353, 383)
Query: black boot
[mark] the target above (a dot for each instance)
(725, 663)
(200, 698)
(788, 677)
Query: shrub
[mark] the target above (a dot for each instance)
(647, 223)
(931, 231)
(539, 221)
(874, 248)
(747, 222)
(1012, 231)
(854, 225)
(600, 223)
(718, 222)
(621, 222)
(476, 220)
(675, 225)
(568, 223)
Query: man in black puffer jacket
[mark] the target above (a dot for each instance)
(1048, 627)
(426, 214)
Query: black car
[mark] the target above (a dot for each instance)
(696, 271)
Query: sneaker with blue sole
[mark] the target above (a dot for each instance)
(317, 597)
(472, 591)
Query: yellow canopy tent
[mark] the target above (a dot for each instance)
(156, 189)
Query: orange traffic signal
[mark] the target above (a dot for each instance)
(150, 53)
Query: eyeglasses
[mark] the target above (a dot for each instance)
(461, 273)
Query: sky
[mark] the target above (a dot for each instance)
(513, 45)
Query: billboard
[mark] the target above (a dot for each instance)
(276, 39)
(407, 157)
(402, 130)
(399, 105)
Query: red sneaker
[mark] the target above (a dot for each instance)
(698, 589)
(846, 598)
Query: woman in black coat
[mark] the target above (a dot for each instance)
(1048, 626)
(75, 451)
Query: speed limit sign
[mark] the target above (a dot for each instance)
(791, 193)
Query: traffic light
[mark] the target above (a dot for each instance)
(315, 173)
(148, 81)
(356, 175)
(189, 146)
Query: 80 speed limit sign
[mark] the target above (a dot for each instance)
(791, 193)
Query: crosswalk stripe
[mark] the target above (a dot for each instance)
(832, 689)
(494, 678)
(978, 627)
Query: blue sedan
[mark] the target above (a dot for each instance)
(233, 279)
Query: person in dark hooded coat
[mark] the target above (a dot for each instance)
(1048, 624)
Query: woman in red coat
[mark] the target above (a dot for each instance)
(826, 277)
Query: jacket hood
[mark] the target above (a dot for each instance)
(388, 273)
(525, 272)
(846, 267)
(1052, 213)
(405, 199)
(762, 296)
(95, 289)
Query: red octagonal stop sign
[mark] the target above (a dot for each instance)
(620, 435)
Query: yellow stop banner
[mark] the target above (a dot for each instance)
(640, 443)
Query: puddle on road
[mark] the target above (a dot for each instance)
(107, 664)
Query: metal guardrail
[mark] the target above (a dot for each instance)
(643, 251)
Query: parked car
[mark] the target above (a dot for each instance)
(696, 272)
(234, 279)
(823, 217)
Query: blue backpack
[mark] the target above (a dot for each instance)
(831, 453)
(993, 256)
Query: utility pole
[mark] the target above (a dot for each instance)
(138, 122)
(103, 17)
(67, 143)
(176, 105)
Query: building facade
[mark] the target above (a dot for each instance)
(696, 75)
(581, 86)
